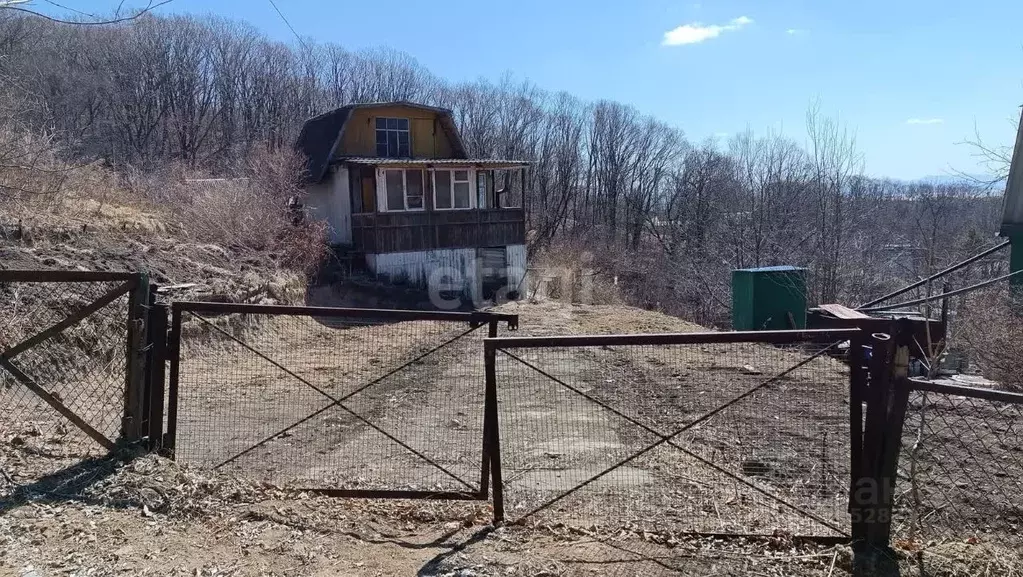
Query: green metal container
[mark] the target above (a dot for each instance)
(769, 298)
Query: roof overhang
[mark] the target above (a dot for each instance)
(434, 162)
(1012, 205)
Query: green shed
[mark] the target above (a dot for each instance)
(764, 298)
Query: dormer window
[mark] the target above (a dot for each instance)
(392, 138)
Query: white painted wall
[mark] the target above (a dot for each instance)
(331, 201)
(517, 267)
(423, 268)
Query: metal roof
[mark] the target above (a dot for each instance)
(488, 162)
(321, 134)
(1012, 206)
(782, 268)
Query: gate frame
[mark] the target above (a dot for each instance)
(136, 286)
(855, 337)
(475, 319)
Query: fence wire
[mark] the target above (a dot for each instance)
(257, 398)
(577, 424)
(960, 471)
(83, 366)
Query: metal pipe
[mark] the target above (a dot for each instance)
(767, 337)
(963, 391)
(333, 312)
(979, 285)
(948, 270)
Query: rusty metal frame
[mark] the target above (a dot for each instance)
(475, 320)
(493, 345)
(961, 390)
(130, 283)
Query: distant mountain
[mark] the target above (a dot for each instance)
(956, 179)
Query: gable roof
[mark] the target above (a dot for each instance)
(320, 135)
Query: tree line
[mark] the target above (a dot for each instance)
(667, 216)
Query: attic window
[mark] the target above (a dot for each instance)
(392, 137)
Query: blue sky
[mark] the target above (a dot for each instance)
(910, 77)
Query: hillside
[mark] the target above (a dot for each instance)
(163, 226)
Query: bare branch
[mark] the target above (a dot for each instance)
(18, 6)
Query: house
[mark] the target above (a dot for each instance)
(399, 193)
(1012, 215)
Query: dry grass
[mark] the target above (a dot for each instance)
(992, 331)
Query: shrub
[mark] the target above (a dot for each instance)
(991, 330)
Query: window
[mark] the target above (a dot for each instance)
(451, 189)
(393, 138)
(404, 189)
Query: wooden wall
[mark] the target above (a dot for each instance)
(427, 136)
(416, 231)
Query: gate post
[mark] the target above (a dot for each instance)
(857, 396)
(493, 431)
(138, 303)
(156, 359)
(872, 495)
(174, 358)
(485, 468)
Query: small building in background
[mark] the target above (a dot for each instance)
(402, 198)
(769, 298)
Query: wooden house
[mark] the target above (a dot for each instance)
(398, 191)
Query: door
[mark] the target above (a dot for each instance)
(493, 270)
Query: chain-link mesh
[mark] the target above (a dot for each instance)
(776, 459)
(960, 471)
(83, 367)
(257, 398)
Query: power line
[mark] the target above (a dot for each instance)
(290, 27)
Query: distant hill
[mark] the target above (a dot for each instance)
(956, 179)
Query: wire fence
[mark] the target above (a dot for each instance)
(960, 473)
(732, 437)
(81, 363)
(356, 403)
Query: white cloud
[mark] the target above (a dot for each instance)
(696, 32)
(925, 121)
(795, 31)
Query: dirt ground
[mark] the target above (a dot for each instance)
(151, 516)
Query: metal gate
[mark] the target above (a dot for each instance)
(349, 402)
(70, 365)
(717, 433)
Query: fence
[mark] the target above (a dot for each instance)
(960, 474)
(70, 365)
(724, 433)
(352, 402)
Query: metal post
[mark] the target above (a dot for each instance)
(138, 302)
(490, 358)
(156, 375)
(897, 404)
(868, 489)
(174, 356)
(857, 394)
(485, 469)
(869, 557)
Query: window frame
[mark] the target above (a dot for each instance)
(404, 191)
(451, 191)
(377, 130)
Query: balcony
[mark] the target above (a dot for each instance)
(384, 232)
